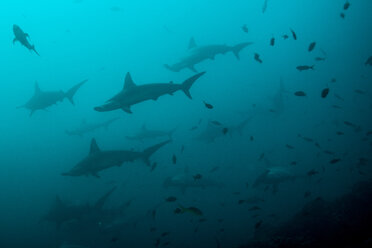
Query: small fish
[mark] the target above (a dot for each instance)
(361, 92)
(165, 234)
(294, 34)
(214, 169)
(171, 199)
(328, 152)
(346, 5)
(192, 210)
(153, 214)
(251, 138)
(333, 80)
(285, 36)
(225, 130)
(289, 146)
(305, 67)
(312, 172)
(272, 41)
(325, 93)
(311, 46)
(174, 159)
(257, 58)
(264, 6)
(157, 243)
(258, 224)
(182, 148)
(342, 15)
(245, 28)
(254, 208)
(339, 97)
(293, 163)
(197, 177)
(217, 123)
(317, 145)
(193, 128)
(348, 123)
(340, 133)
(336, 107)
(320, 58)
(334, 161)
(300, 93)
(208, 105)
(241, 202)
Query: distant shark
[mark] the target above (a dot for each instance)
(146, 133)
(61, 213)
(212, 131)
(273, 177)
(90, 127)
(132, 94)
(186, 181)
(22, 38)
(43, 99)
(98, 160)
(198, 54)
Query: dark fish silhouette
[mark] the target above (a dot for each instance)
(311, 46)
(325, 92)
(208, 105)
(22, 37)
(294, 34)
(300, 93)
(272, 41)
(305, 67)
(257, 58)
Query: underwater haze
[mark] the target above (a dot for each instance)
(243, 123)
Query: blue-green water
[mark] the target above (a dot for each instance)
(312, 146)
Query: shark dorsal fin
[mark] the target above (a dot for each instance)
(192, 43)
(128, 82)
(94, 147)
(37, 88)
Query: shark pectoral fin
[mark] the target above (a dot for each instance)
(27, 35)
(14, 40)
(127, 109)
(192, 68)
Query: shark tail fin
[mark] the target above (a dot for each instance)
(237, 48)
(33, 49)
(147, 153)
(186, 85)
(71, 92)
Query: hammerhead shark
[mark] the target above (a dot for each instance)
(198, 54)
(43, 99)
(98, 160)
(61, 212)
(90, 127)
(22, 38)
(132, 94)
(146, 133)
